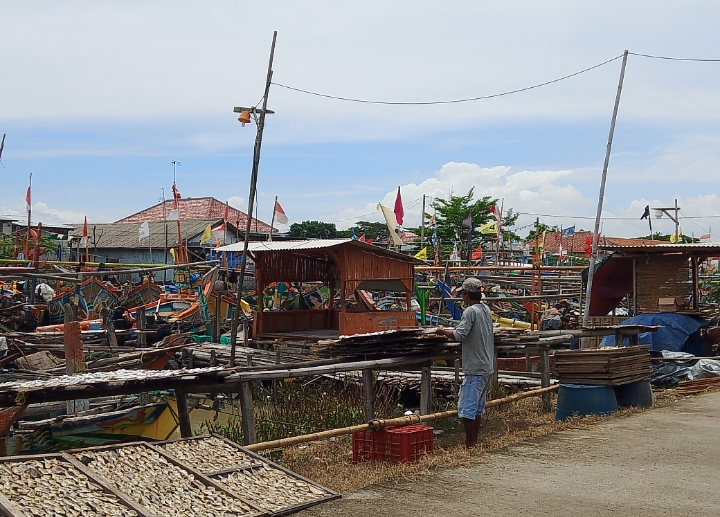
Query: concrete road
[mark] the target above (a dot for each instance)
(665, 461)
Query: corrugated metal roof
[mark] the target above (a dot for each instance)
(710, 248)
(196, 209)
(314, 244)
(125, 235)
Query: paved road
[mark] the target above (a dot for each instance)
(665, 461)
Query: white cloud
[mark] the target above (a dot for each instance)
(43, 213)
(523, 191)
(238, 203)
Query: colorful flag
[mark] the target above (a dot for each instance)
(399, 213)
(434, 239)
(432, 221)
(391, 221)
(361, 238)
(84, 239)
(490, 228)
(541, 246)
(493, 211)
(477, 253)
(354, 237)
(568, 232)
(279, 214)
(172, 252)
(143, 231)
(176, 194)
(646, 213)
(28, 201)
(422, 254)
(705, 237)
(207, 235)
(675, 238)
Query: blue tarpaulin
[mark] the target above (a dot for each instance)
(679, 333)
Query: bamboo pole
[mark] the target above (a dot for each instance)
(375, 425)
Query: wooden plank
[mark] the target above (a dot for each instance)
(10, 509)
(106, 485)
(426, 390)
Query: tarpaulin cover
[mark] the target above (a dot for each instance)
(679, 333)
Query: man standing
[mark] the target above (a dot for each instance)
(475, 332)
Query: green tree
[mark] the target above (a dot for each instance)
(313, 230)
(374, 231)
(451, 214)
(541, 227)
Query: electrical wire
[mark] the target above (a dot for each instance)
(668, 58)
(454, 101)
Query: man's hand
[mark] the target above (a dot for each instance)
(446, 332)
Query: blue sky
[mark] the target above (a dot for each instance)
(98, 99)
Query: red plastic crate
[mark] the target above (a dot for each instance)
(394, 444)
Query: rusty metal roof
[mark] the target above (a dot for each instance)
(315, 244)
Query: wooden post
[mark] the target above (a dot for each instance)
(140, 324)
(457, 375)
(248, 413)
(183, 414)
(249, 360)
(368, 394)
(74, 361)
(213, 358)
(278, 355)
(545, 375)
(426, 390)
(495, 369)
(191, 359)
(216, 321)
(695, 284)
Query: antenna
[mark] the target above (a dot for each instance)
(178, 164)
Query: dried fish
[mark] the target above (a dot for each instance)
(163, 487)
(209, 454)
(271, 489)
(54, 487)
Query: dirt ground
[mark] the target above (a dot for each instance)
(663, 461)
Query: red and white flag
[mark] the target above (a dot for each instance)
(28, 201)
(279, 215)
(705, 237)
(399, 212)
(84, 239)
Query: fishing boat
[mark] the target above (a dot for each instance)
(156, 420)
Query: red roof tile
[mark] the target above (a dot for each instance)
(197, 208)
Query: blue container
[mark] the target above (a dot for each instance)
(96, 325)
(634, 394)
(585, 399)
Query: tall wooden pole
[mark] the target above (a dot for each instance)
(272, 221)
(251, 201)
(596, 232)
(422, 225)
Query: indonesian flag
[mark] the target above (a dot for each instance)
(705, 237)
(399, 212)
(279, 215)
(28, 199)
(84, 240)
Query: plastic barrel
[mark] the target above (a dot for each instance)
(634, 394)
(585, 399)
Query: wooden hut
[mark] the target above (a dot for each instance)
(344, 265)
(649, 274)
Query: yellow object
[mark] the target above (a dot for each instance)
(509, 323)
(422, 254)
(676, 238)
(489, 228)
(207, 235)
(161, 429)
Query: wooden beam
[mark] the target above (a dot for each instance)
(545, 375)
(368, 394)
(248, 413)
(426, 390)
(183, 414)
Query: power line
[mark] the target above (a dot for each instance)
(667, 58)
(454, 101)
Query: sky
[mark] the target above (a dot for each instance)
(98, 98)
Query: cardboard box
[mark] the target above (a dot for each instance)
(667, 305)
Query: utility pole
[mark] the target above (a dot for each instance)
(422, 225)
(260, 121)
(674, 218)
(586, 312)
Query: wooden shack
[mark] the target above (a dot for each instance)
(649, 274)
(344, 265)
